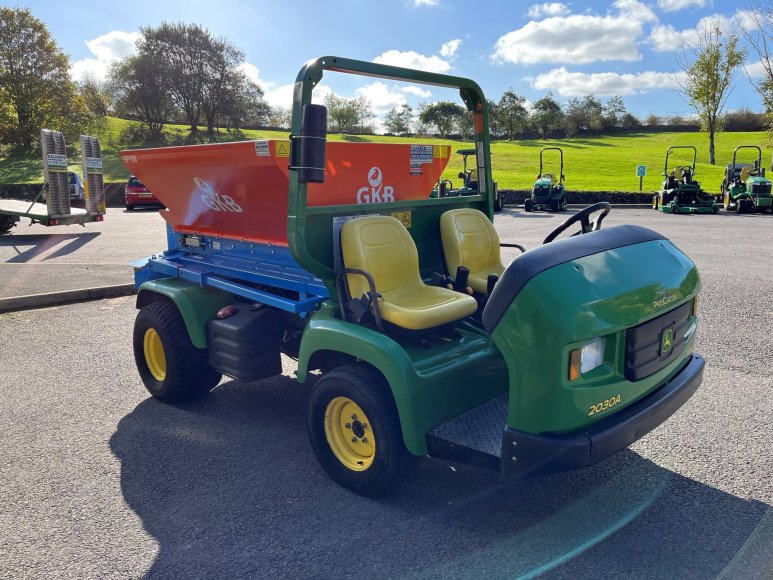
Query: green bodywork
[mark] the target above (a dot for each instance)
(754, 194)
(686, 195)
(196, 304)
(547, 320)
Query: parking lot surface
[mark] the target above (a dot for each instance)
(98, 480)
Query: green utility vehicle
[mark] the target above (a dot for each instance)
(470, 184)
(427, 344)
(680, 193)
(548, 193)
(745, 187)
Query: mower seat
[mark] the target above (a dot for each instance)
(470, 240)
(551, 177)
(745, 174)
(382, 247)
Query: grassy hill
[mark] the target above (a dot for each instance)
(606, 163)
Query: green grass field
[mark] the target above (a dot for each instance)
(590, 163)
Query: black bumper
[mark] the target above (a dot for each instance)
(527, 455)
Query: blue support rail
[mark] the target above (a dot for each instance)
(262, 273)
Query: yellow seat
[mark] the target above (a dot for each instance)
(470, 240)
(745, 174)
(381, 246)
(551, 177)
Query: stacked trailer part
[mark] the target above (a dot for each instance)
(52, 207)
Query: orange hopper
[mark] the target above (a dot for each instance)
(239, 190)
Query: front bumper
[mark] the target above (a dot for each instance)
(528, 455)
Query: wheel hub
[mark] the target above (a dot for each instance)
(349, 434)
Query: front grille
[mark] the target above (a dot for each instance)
(643, 355)
(758, 187)
(763, 201)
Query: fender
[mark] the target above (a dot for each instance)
(196, 304)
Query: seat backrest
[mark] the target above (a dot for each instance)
(745, 174)
(677, 173)
(551, 177)
(470, 240)
(383, 247)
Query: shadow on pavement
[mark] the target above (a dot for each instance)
(45, 247)
(229, 487)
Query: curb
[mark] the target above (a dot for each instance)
(65, 297)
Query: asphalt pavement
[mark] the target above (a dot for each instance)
(98, 480)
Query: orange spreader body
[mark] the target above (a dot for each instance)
(240, 190)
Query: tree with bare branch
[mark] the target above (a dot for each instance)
(708, 63)
(759, 34)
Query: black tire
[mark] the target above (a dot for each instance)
(528, 205)
(187, 374)
(6, 223)
(381, 469)
(129, 207)
(674, 208)
(739, 206)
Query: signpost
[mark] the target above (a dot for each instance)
(641, 171)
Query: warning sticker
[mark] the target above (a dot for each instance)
(439, 152)
(94, 163)
(283, 149)
(421, 154)
(415, 168)
(261, 149)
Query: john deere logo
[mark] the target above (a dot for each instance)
(667, 341)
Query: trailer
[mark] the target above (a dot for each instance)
(338, 256)
(52, 205)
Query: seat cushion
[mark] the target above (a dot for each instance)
(470, 240)
(382, 246)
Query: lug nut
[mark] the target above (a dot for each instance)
(354, 417)
(348, 425)
(364, 439)
(354, 439)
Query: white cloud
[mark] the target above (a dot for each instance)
(576, 84)
(282, 96)
(449, 49)
(666, 38)
(412, 59)
(674, 5)
(578, 38)
(418, 91)
(426, 2)
(548, 9)
(756, 70)
(106, 49)
(381, 97)
(252, 73)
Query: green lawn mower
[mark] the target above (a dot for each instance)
(470, 184)
(548, 193)
(681, 193)
(745, 187)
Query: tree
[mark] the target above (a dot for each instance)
(758, 34)
(349, 115)
(614, 112)
(95, 94)
(574, 117)
(494, 126)
(139, 85)
(512, 113)
(34, 83)
(546, 115)
(443, 115)
(708, 64)
(399, 121)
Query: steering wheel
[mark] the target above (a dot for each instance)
(582, 216)
(444, 187)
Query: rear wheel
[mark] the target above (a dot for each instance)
(6, 223)
(171, 367)
(654, 202)
(355, 430)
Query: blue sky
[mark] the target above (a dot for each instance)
(573, 48)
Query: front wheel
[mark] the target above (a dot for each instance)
(355, 430)
(528, 205)
(171, 367)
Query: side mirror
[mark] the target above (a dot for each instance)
(309, 148)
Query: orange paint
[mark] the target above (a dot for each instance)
(239, 190)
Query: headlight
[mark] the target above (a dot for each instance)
(585, 359)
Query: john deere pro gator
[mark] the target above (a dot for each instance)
(335, 255)
(680, 192)
(548, 193)
(745, 187)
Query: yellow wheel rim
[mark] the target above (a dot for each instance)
(349, 434)
(154, 354)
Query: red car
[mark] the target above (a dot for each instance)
(137, 194)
